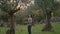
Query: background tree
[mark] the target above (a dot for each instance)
(47, 6)
(3, 17)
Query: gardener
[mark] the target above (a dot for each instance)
(29, 23)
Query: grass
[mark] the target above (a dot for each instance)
(36, 29)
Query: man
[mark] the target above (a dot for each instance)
(29, 23)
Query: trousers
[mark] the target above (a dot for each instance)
(29, 29)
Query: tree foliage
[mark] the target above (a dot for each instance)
(9, 6)
(47, 5)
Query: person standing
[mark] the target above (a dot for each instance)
(29, 23)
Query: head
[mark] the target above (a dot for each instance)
(30, 15)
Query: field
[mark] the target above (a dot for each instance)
(36, 29)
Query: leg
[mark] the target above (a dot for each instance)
(29, 29)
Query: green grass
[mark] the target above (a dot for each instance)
(36, 29)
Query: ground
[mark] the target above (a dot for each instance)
(36, 29)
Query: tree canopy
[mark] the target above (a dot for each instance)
(47, 5)
(9, 6)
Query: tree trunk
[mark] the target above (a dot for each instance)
(12, 26)
(48, 26)
(1, 23)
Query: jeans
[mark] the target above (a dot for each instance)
(29, 29)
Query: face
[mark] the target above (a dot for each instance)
(29, 15)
